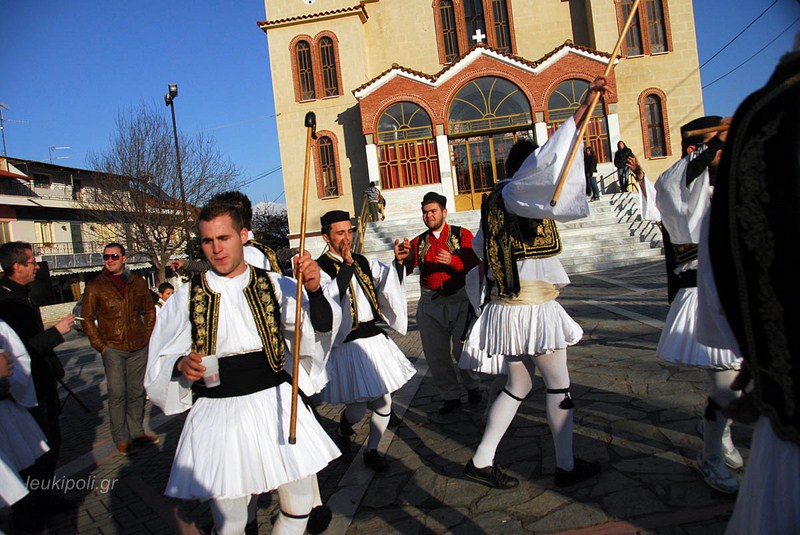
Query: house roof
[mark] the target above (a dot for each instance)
(359, 8)
(9, 174)
(478, 50)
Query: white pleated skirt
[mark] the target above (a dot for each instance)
(769, 495)
(21, 440)
(517, 330)
(678, 343)
(239, 446)
(12, 488)
(365, 369)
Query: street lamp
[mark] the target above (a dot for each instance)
(168, 100)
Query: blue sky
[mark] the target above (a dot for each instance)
(69, 66)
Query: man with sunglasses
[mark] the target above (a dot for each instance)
(121, 303)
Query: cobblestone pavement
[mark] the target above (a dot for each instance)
(634, 414)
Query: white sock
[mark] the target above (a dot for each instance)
(553, 367)
(379, 421)
(296, 498)
(230, 515)
(722, 394)
(502, 413)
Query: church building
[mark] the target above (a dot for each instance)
(429, 95)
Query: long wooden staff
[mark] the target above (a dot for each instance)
(702, 131)
(311, 133)
(592, 103)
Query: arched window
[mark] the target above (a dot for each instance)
(406, 147)
(330, 76)
(449, 31)
(564, 100)
(655, 129)
(329, 183)
(305, 70)
(486, 117)
(649, 33)
(315, 67)
(461, 25)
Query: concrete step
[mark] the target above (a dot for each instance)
(613, 236)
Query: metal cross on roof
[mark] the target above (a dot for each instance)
(479, 36)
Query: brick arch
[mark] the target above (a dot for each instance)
(318, 164)
(555, 82)
(467, 77)
(664, 118)
(402, 97)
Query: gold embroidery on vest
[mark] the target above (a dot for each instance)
(365, 282)
(204, 316)
(264, 306)
(451, 240)
(269, 252)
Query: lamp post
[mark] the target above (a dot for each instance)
(168, 100)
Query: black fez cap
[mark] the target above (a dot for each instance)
(432, 196)
(334, 216)
(701, 122)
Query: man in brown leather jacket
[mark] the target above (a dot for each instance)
(121, 303)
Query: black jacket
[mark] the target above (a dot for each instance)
(23, 316)
(621, 157)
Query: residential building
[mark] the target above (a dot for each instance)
(49, 206)
(423, 95)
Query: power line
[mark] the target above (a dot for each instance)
(754, 55)
(738, 34)
(262, 175)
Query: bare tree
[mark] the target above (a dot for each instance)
(271, 224)
(137, 191)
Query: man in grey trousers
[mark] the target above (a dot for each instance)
(121, 303)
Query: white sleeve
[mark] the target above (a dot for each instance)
(531, 189)
(171, 339)
(391, 295)
(20, 381)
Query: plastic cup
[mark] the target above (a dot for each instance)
(211, 375)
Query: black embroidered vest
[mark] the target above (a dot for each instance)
(453, 241)
(361, 273)
(269, 252)
(508, 238)
(264, 305)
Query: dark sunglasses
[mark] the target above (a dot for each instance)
(113, 256)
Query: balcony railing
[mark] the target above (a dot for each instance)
(56, 248)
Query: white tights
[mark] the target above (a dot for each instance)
(381, 411)
(296, 499)
(553, 368)
(722, 395)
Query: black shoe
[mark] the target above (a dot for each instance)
(492, 476)
(449, 406)
(373, 459)
(395, 420)
(582, 470)
(251, 528)
(474, 396)
(318, 519)
(343, 443)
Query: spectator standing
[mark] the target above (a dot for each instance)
(444, 255)
(165, 291)
(375, 199)
(22, 315)
(621, 163)
(121, 303)
(590, 168)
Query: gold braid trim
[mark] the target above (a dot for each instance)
(269, 252)
(366, 284)
(452, 240)
(203, 315)
(266, 310)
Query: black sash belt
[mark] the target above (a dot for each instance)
(241, 375)
(687, 279)
(366, 329)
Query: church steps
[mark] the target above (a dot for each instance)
(613, 236)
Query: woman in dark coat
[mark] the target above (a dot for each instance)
(621, 163)
(590, 167)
